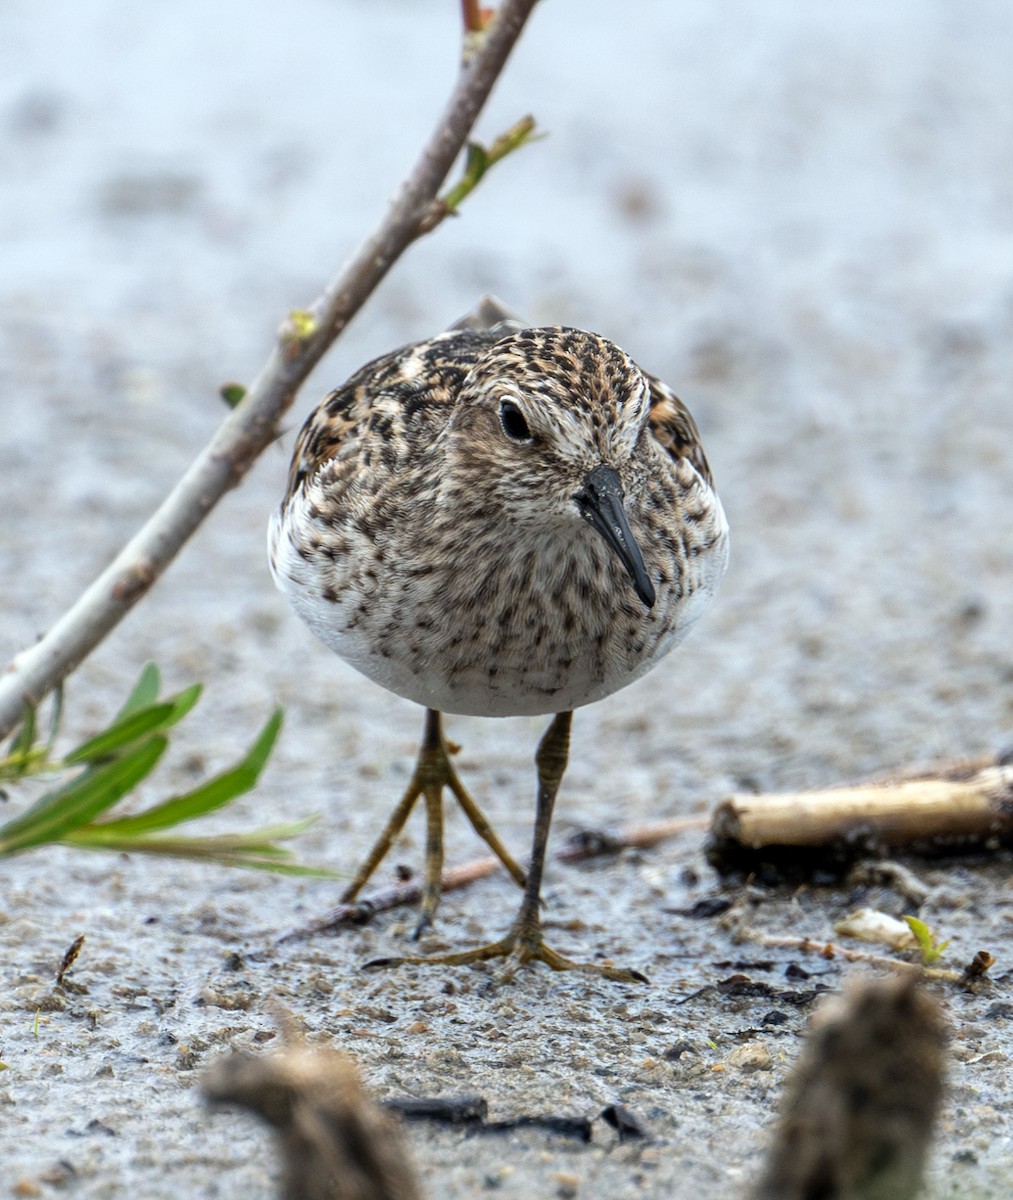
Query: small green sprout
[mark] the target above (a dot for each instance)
(232, 393)
(478, 160)
(931, 950)
(299, 325)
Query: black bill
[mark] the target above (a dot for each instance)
(600, 501)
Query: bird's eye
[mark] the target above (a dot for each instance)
(514, 424)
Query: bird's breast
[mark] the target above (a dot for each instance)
(506, 626)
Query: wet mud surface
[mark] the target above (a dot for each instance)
(801, 222)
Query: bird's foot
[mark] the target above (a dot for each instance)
(520, 946)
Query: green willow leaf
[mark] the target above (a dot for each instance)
(183, 701)
(24, 739)
(82, 799)
(121, 735)
(125, 732)
(145, 691)
(55, 717)
(232, 393)
(213, 794)
(256, 849)
(103, 769)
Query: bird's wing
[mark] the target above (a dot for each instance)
(384, 407)
(330, 426)
(674, 428)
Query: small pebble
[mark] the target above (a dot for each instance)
(566, 1184)
(752, 1057)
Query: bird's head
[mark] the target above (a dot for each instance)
(546, 433)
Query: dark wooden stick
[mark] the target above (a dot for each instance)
(593, 843)
(579, 847)
(410, 892)
(976, 804)
(832, 950)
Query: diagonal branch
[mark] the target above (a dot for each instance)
(253, 424)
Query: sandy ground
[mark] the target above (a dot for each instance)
(801, 217)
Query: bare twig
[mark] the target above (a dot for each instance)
(593, 843)
(253, 424)
(831, 950)
(400, 894)
(579, 847)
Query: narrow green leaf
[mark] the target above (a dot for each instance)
(24, 739)
(127, 730)
(183, 701)
(261, 749)
(278, 868)
(55, 717)
(101, 834)
(476, 161)
(82, 799)
(145, 691)
(121, 734)
(256, 849)
(213, 794)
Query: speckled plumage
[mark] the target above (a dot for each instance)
(499, 521)
(451, 564)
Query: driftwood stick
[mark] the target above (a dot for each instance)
(935, 810)
(396, 896)
(914, 810)
(253, 424)
(593, 843)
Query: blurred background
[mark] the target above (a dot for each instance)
(801, 216)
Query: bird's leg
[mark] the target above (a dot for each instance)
(433, 772)
(525, 942)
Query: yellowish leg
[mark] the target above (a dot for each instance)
(433, 772)
(432, 884)
(525, 942)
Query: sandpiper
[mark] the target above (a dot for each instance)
(499, 521)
